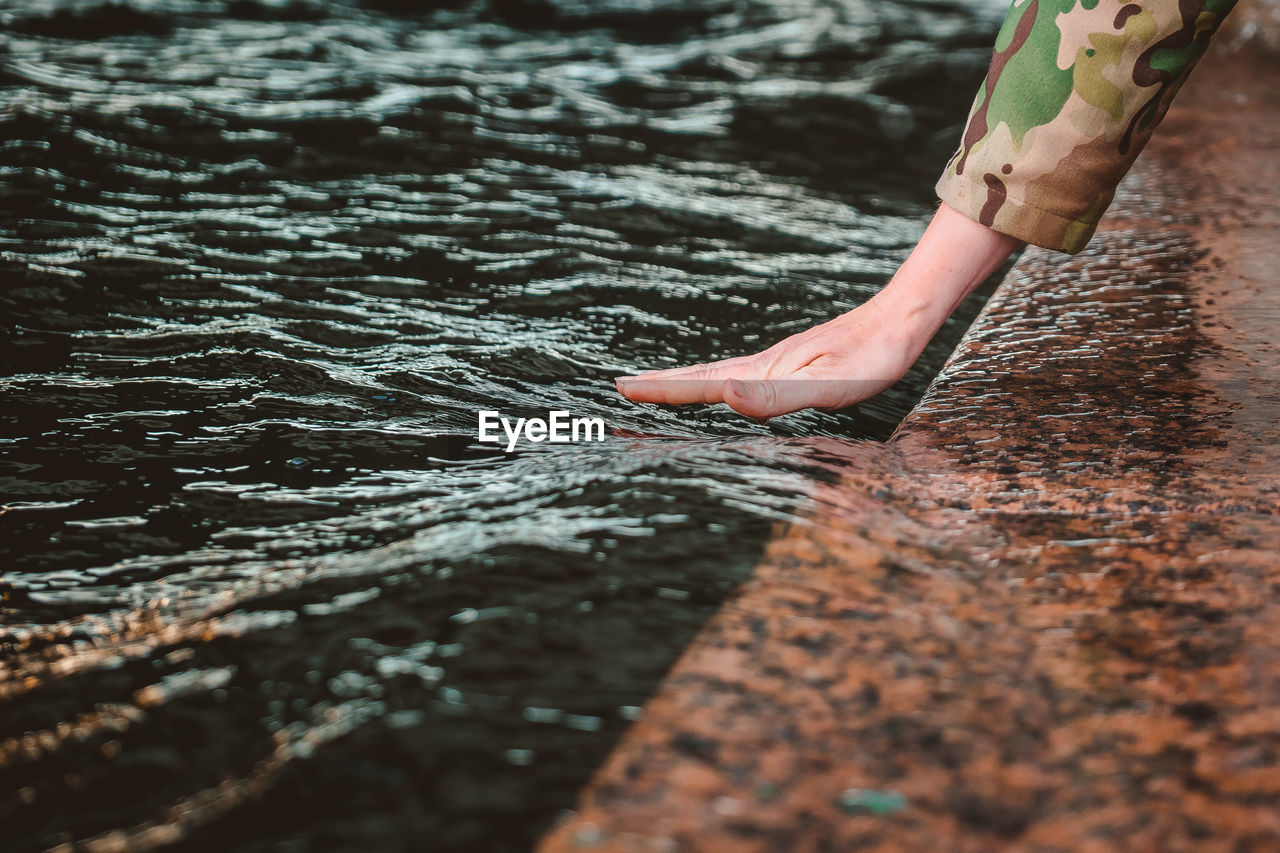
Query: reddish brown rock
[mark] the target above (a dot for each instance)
(1046, 615)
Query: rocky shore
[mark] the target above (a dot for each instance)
(1044, 615)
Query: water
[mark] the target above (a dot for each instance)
(260, 267)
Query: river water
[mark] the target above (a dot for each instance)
(262, 264)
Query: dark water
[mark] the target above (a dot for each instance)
(260, 267)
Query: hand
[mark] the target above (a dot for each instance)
(841, 362)
(855, 356)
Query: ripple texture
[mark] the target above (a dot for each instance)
(261, 264)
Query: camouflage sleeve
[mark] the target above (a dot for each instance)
(1074, 91)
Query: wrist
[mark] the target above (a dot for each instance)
(953, 257)
(914, 311)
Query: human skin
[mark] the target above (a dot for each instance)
(856, 355)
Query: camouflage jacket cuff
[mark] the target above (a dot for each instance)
(994, 207)
(1074, 91)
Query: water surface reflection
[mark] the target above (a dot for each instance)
(262, 264)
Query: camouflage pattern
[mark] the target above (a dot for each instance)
(1074, 91)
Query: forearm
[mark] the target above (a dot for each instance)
(954, 256)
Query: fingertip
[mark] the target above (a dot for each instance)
(626, 387)
(638, 391)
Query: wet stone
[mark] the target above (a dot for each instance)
(1068, 627)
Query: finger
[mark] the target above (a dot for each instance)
(677, 391)
(768, 398)
(743, 366)
(700, 383)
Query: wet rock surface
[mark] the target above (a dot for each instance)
(1044, 616)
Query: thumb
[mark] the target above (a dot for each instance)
(768, 398)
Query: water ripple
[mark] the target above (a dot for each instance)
(262, 264)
